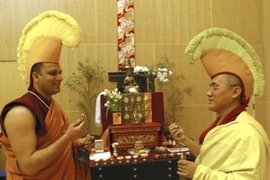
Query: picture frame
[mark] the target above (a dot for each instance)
(99, 145)
(116, 118)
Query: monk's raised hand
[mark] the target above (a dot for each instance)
(177, 132)
(77, 129)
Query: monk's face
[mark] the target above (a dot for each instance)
(220, 94)
(48, 80)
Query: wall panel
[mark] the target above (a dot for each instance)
(242, 16)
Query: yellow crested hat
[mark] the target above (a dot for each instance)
(42, 39)
(222, 51)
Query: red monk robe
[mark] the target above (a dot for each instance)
(65, 166)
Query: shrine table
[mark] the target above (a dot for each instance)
(149, 168)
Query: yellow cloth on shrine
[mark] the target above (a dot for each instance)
(239, 150)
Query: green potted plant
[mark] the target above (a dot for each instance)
(86, 83)
(174, 94)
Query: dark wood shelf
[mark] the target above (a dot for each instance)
(120, 76)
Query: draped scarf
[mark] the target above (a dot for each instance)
(229, 118)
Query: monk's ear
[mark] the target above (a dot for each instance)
(35, 76)
(236, 91)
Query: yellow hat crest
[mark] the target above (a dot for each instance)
(42, 39)
(222, 51)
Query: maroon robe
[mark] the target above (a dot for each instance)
(51, 123)
(229, 118)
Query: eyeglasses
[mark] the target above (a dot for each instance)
(213, 88)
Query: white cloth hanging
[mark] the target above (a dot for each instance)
(98, 111)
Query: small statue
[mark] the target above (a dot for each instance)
(130, 85)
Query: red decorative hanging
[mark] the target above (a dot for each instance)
(125, 22)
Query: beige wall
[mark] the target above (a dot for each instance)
(161, 27)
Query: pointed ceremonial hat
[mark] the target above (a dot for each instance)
(42, 39)
(224, 52)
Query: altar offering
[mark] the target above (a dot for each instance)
(138, 149)
(138, 146)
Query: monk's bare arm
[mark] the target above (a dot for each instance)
(20, 128)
